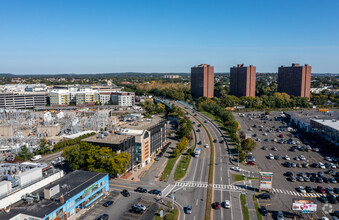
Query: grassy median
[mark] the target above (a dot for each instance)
(169, 166)
(182, 166)
(238, 177)
(244, 207)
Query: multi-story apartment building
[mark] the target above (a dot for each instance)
(142, 145)
(87, 97)
(124, 99)
(59, 97)
(243, 80)
(105, 97)
(202, 81)
(295, 80)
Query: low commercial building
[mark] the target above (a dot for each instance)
(302, 119)
(327, 130)
(63, 199)
(157, 128)
(118, 143)
(171, 76)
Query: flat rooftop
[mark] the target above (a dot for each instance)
(330, 123)
(306, 116)
(110, 138)
(76, 182)
(143, 124)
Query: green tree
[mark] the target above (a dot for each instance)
(24, 154)
(248, 145)
(160, 108)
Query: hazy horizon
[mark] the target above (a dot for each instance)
(84, 37)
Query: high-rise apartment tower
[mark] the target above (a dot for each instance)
(295, 80)
(202, 81)
(243, 80)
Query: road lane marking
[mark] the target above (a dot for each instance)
(121, 186)
(196, 203)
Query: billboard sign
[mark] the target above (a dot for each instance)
(265, 180)
(304, 205)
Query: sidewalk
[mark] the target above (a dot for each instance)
(251, 207)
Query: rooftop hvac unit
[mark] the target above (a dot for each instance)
(50, 192)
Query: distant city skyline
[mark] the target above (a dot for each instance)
(86, 37)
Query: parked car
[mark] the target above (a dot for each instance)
(137, 210)
(320, 189)
(287, 164)
(250, 163)
(323, 199)
(328, 159)
(289, 173)
(329, 190)
(286, 157)
(102, 217)
(108, 203)
(301, 189)
(292, 178)
(332, 199)
(140, 206)
(235, 169)
(300, 178)
(125, 193)
(206, 146)
(309, 189)
(263, 211)
(264, 196)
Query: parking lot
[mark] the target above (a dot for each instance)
(272, 137)
(121, 208)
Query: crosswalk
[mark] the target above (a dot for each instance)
(205, 185)
(293, 193)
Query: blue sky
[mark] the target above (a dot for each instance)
(82, 36)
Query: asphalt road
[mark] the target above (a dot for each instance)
(198, 174)
(221, 175)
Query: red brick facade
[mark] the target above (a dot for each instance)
(202, 81)
(243, 79)
(295, 80)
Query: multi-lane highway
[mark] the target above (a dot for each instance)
(197, 174)
(221, 166)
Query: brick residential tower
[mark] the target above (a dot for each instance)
(295, 80)
(202, 81)
(243, 80)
